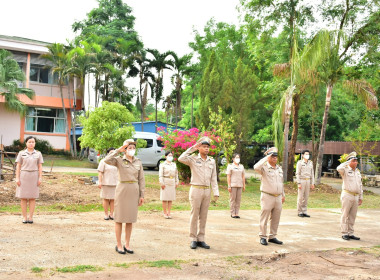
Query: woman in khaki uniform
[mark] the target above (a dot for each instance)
(107, 178)
(168, 177)
(236, 184)
(28, 178)
(129, 192)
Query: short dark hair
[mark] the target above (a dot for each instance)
(168, 152)
(110, 149)
(305, 151)
(30, 137)
(235, 154)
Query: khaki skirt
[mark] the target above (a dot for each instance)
(28, 188)
(168, 194)
(126, 202)
(107, 192)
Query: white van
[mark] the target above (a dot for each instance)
(152, 155)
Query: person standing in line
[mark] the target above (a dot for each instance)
(28, 178)
(236, 184)
(272, 195)
(352, 195)
(107, 178)
(129, 193)
(203, 174)
(168, 178)
(305, 181)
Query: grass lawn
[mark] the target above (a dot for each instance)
(67, 162)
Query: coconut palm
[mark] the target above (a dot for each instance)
(10, 75)
(327, 53)
(181, 68)
(57, 55)
(159, 63)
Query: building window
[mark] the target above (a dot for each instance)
(41, 74)
(45, 120)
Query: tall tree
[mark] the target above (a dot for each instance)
(181, 68)
(57, 55)
(159, 62)
(10, 75)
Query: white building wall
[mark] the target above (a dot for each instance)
(58, 142)
(9, 125)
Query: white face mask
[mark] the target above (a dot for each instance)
(131, 153)
(169, 158)
(237, 160)
(306, 156)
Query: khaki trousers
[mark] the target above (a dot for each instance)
(303, 196)
(271, 208)
(349, 210)
(235, 199)
(199, 201)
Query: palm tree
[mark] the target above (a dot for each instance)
(146, 79)
(327, 53)
(10, 75)
(159, 63)
(181, 68)
(58, 57)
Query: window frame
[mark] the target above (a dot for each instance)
(35, 116)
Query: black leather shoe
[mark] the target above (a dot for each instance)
(203, 244)
(306, 215)
(128, 251)
(193, 245)
(346, 237)
(354, 237)
(30, 221)
(119, 251)
(275, 240)
(301, 215)
(263, 241)
(237, 217)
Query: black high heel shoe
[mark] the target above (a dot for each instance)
(119, 251)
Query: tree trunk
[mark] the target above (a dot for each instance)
(74, 120)
(65, 116)
(192, 106)
(96, 90)
(318, 172)
(293, 142)
(142, 106)
(288, 109)
(314, 144)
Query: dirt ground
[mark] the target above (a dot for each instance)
(65, 239)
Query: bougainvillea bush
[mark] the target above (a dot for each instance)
(179, 141)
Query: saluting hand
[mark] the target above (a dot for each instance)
(197, 145)
(141, 201)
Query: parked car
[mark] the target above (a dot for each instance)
(150, 156)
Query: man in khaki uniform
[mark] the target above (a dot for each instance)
(352, 195)
(305, 179)
(272, 195)
(203, 174)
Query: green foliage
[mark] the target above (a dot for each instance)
(10, 75)
(107, 126)
(37, 269)
(343, 158)
(41, 145)
(79, 268)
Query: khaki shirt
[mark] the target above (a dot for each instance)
(236, 172)
(271, 178)
(352, 179)
(304, 170)
(29, 161)
(203, 172)
(110, 174)
(128, 171)
(168, 170)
